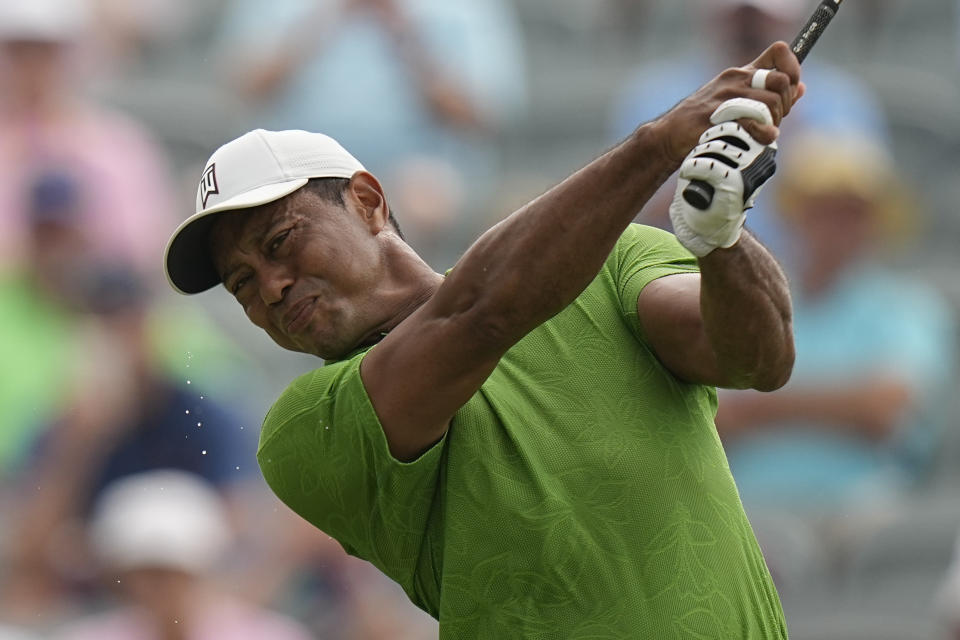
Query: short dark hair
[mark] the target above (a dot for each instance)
(332, 189)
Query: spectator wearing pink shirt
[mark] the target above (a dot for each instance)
(159, 536)
(46, 124)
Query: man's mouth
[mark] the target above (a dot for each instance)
(297, 318)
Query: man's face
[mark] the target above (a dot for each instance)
(304, 270)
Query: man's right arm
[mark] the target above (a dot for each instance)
(534, 263)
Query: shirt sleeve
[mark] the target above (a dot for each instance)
(642, 255)
(323, 452)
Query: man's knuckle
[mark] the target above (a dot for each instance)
(733, 73)
(778, 81)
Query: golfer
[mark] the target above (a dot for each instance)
(525, 444)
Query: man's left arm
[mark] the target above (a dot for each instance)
(729, 325)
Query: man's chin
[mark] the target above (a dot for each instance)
(284, 343)
(297, 349)
(328, 353)
(313, 350)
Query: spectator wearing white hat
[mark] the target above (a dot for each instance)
(159, 537)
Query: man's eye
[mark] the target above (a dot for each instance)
(239, 284)
(277, 241)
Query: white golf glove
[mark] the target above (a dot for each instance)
(730, 162)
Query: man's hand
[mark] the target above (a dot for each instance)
(722, 159)
(683, 125)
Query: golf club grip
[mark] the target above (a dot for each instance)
(698, 193)
(811, 31)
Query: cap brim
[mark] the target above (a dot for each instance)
(187, 260)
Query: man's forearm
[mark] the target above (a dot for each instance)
(747, 315)
(535, 262)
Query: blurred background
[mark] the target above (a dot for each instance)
(130, 502)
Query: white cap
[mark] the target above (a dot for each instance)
(43, 20)
(256, 168)
(165, 518)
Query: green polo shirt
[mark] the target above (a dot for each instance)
(582, 492)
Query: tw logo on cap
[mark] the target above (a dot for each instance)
(208, 184)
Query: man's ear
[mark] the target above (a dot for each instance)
(366, 194)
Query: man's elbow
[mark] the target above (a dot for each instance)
(764, 372)
(775, 373)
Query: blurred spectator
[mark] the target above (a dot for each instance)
(46, 124)
(37, 302)
(733, 33)
(860, 419)
(415, 88)
(58, 285)
(158, 537)
(122, 415)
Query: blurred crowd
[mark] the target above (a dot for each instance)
(130, 501)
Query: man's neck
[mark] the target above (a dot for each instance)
(409, 284)
(412, 298)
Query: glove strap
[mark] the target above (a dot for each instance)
(758, 172)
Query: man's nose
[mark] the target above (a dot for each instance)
(275, 281)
